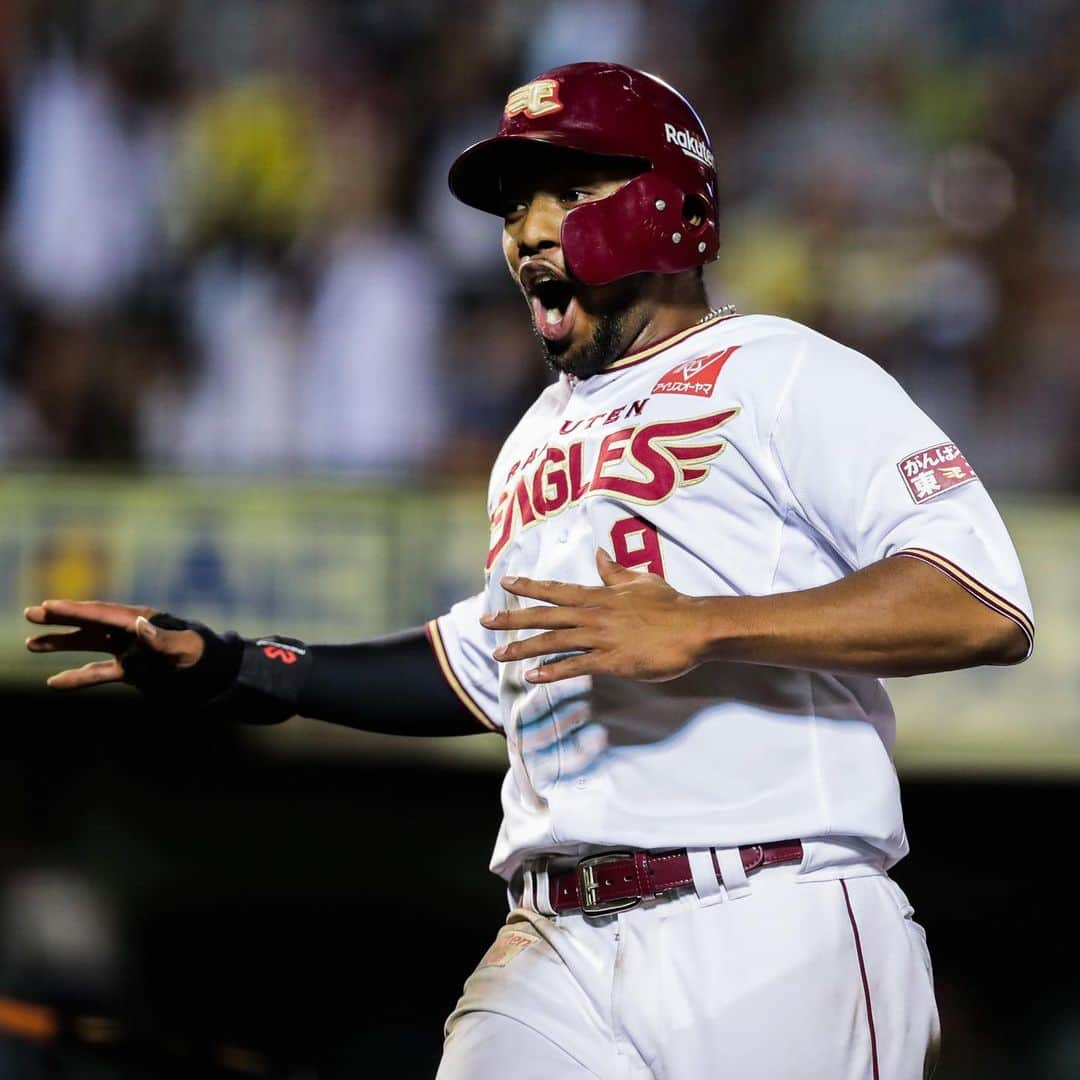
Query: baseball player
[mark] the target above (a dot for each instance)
(711, 537)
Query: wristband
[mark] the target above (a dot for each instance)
(158, 677)
(275, 667)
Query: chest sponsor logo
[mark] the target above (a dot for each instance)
(534, 99)
(697, 376)
(643, 464)
(932, 472)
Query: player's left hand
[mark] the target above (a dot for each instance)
(107, 627)
(635, 626)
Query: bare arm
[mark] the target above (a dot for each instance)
(896, 617)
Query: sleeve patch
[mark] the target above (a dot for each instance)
(932, 472)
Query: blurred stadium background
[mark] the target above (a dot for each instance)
(253, 363)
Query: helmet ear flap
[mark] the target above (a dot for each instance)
(641, 228)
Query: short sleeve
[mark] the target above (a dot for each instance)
(463, 649)
(875, 477)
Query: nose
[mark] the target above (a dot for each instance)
(540, 227)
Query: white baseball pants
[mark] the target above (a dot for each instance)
(783, 979)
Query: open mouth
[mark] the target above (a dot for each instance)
(553, 302)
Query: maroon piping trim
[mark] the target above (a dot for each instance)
(975, 587)
(865, 981)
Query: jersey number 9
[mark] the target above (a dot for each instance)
(636, 545)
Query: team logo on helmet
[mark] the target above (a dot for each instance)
(534, 99)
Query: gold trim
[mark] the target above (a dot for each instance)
(435, 637)
(977, 589)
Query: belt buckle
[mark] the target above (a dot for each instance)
(588, 886)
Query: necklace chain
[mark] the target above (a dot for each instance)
(716, 312)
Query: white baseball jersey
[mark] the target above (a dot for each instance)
(745, 457)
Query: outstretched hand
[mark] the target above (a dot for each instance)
(635, 626)
(109, 628)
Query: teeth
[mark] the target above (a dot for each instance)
(553, 316)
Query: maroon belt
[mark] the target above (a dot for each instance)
(608, 883)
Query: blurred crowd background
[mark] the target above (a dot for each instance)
(228, 249)
(229, 244)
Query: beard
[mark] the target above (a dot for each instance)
(592, 356)
(612, 330)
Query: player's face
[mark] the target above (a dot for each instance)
(581, 328)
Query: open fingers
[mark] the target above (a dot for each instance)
(85, 639)
(101, 671)
(551, 592)
(555, 641)
(533, 618)
(570, 668)
(86, 613)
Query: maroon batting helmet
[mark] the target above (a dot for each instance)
(663, 221)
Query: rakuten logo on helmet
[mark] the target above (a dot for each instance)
(690, 144)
